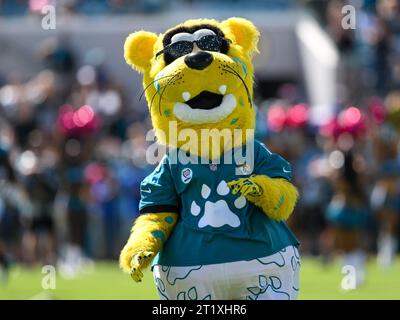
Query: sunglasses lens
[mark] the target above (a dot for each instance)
(180, 48)
(209, 43)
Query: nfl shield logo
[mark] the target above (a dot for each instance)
(244, 169)
(213, 167)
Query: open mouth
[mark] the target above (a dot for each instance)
(205, 100)
(206, 107)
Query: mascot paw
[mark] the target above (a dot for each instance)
(246, 187)
(137, 263)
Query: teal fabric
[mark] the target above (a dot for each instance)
(198, 240)
(347, 217)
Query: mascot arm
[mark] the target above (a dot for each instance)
(277, 197)
(149, 233)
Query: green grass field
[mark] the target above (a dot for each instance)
(106, 281)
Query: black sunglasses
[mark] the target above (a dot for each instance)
(181, 48)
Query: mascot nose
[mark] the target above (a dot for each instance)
(198, 60)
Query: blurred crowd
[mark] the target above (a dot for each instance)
(348, 170)
(72, 154)
(101, 7)
(87, 7)
(71, 160)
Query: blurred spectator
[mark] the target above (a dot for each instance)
(385, 195)
(348, 213)
(15, 211)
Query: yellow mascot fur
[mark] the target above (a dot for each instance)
(198, 75)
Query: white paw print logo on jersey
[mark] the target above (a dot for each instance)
(217, 214)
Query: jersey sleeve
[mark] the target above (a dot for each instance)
(271, 164)
(157, 191)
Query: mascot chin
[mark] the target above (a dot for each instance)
(212, 214)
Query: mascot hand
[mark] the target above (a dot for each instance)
(246, 187)
(149, 233)
(277, 197)
(137, 263)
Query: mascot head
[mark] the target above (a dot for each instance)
(198, 76)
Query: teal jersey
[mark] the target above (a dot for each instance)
(215, 226)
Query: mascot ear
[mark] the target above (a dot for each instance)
(245, 33)
(138, 49)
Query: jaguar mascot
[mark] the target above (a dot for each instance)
(210, 228)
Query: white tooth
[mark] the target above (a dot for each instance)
(186, 96)
(222, 89)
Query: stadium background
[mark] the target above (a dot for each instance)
(72, 138)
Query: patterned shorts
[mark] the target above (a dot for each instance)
(275, 277)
